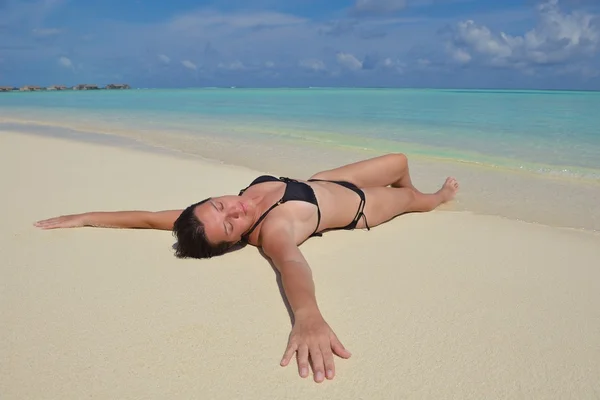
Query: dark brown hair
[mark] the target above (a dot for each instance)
(191, 237)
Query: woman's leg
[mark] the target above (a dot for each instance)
(384, 203)
(390, 169)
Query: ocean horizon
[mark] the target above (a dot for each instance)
(303, 86)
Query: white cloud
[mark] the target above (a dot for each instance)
(373, 61)
(349, 61)
(558, 38)
(164, 58)
(313, 64)
(65, 62)
(461, 56)
(395, 65)
(188, 64)
(234, 66)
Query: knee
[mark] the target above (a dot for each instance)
(401, 157)
(398, 158)
(397, 162)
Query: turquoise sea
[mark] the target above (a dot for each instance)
(548, 132)
(529, 155)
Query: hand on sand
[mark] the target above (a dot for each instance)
(312, 336)
(64, 221)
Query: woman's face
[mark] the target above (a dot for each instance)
(225, 218)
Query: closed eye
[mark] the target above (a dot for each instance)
(228, 227)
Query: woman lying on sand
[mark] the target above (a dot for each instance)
(277, 215)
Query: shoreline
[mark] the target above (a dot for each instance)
(542, 205)
(574, 174)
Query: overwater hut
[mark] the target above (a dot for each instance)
(114, 86)
(30, 89)
(85, 87)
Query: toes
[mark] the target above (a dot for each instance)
(453, 182)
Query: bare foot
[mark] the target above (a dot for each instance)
(448, 191)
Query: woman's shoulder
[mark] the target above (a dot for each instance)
(276, 234)
(284, 226)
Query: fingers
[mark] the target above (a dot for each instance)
(64, 221)
(316, 351)
(303, 361)
(302, 357)
(45, 224)
(289, 353)
(338, 347)
(328, 360)
(317, 360)
(45, 221)
(322, 360)
(49, 223)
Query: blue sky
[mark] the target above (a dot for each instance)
(546, 44)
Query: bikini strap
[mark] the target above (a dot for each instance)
(285, 180)
(247, 235)
(361, 206)
(361, 213)
(318, 223)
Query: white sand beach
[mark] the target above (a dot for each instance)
(443, 305)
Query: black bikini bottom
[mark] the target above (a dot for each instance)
(360, 212)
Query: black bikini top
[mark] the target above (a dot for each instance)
(294, 191)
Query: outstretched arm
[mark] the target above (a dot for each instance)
(310, 335)
(162, 220)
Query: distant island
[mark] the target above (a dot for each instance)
(112, 86)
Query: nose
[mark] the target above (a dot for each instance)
(235, 212)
